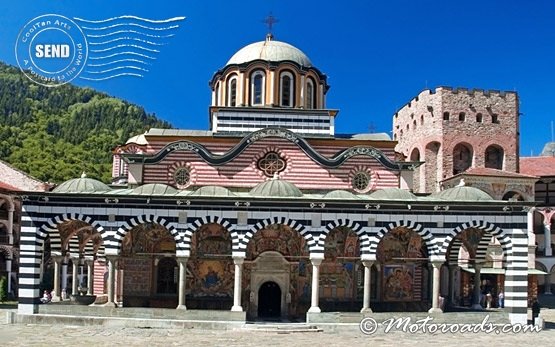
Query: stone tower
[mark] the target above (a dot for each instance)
(453, 130)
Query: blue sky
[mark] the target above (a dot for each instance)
(377, 54)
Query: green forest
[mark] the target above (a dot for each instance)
(55, 134)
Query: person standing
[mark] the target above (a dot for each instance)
(501, 299)
(535, 310)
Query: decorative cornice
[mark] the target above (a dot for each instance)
(213, 159)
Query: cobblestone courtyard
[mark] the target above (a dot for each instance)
(67, 335)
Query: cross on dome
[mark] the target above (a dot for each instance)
(270, 21)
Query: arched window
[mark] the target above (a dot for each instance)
(286, 89)
(310, 94)
(217, 95)
(494, 157)
(257, 88)
(462, 158)
(232, 92)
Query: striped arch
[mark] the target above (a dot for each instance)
(426, 235)
(453, 255)
(489, 229)
(293, 224)
(320, 239)
(198, 223)
(7, 251)
(136, 221)
(51, 228)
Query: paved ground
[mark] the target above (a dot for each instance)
(56, 335)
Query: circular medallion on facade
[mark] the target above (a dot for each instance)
(182, 177)
(271, 164)
(361, 181)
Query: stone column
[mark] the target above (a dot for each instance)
(238, 261)
(111, 281)
(367, 276)
(547, 239)
(316, 261)
(74, 277)
(9, 270)
(90, 277)
(56, 291)
(452, 268)
(10, 226)
(182, 282)
(547, 283)
(477, 283)
(436, 280)
(63, 291)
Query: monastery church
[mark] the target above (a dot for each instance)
(270, 214)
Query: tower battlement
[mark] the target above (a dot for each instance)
(454, 129)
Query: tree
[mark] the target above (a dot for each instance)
(3, 289)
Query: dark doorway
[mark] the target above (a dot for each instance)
(269, 300)
(167, 279)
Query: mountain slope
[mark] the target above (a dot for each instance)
(55, 134)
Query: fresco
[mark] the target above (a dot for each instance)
(338, 273)
(279, 238)
(398, 282)
(210, 268)
(210, 278)
(147, 238)
(400, 243)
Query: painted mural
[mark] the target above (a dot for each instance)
(210, 269)
(403, 255)
(147, 238)
(398, 282)
(339, 278)
(279, 238)
(293, 247)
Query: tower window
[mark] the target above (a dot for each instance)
(257, 88)
(286, 89)
(479, 118)
(494, 119)
(232, 92)
(310, 97)
(462, 117)
(445, 115)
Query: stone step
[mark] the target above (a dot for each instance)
(283, 328)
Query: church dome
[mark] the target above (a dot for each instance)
(392, 194)
(270, 50)
(154, 189)
(340, 194)
(81, 185)
(276, 188)
(463, 193)
(212, 191)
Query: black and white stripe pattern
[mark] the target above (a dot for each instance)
(426, 235)
(320, 238)
(115, 247)
(515, 247)
(196, 223)
(40, 221)
(293, 224)
(51, 228)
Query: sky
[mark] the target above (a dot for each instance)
(377, 55)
